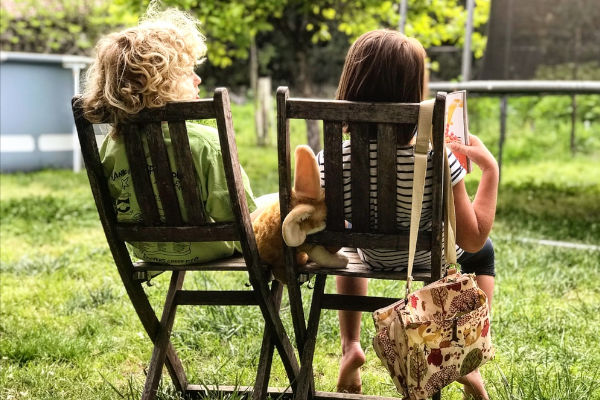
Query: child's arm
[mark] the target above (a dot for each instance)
(474, 220)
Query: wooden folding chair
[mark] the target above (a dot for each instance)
(173, 228)
(367, 122)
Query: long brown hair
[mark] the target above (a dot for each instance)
(384, 66)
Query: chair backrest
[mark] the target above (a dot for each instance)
(172, 227)
(368, 123)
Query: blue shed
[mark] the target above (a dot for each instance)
(36, 123)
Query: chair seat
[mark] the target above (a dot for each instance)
(234, 263)
(359, 269)
(145, 271)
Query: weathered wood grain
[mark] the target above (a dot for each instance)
(162, 173)
(140, 174)
(348, 111)
(333, 169)
(387, 142)
(186, 172)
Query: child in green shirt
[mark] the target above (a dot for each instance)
(146, 67)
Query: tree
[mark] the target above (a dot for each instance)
(58, 26)
(299, 27)
(304, 26)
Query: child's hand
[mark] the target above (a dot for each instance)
(477, 152)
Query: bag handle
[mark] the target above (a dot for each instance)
(420, 167)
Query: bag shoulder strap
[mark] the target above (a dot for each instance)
(420, 167)
(420, 155)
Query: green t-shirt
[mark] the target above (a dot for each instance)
(208, 160)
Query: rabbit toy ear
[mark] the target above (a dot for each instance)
(307, 182)
(292, 232)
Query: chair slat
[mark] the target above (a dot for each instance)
(333, 168)
(348, 111)
(216, 298)
(187, 173)
(162, 173)
(140, 174)
(438, 200)
(355, 303)
(213, 232)
(235, 263)
(357, 268)
(395, 241)
(360, 168)
(386, 177)
(177, 111)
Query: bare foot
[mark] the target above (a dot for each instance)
(353, 358)
(473, 386)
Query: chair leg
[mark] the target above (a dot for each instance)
(163, 337)
(175, 369)
(267, 350)
(152, 325)
(305, 388)
(299, 321)
(146, 314)
(273, 322)
(437, 396)
(297, 311)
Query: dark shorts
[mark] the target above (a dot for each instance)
(480, 263)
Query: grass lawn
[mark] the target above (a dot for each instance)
(68, 330)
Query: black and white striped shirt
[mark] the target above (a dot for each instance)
(384, 259)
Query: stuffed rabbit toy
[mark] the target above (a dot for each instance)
(307, 215)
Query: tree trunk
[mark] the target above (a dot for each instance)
(313, 134)
(260, 123)
(253, 66)
(262, 113)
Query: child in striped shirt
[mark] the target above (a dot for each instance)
(386, 66)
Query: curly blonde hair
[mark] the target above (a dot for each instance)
(143, 67)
